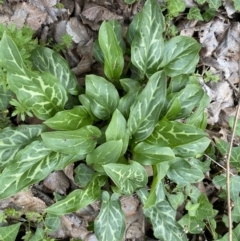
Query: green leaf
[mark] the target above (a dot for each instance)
(194, 13)
(231, 123)
(31, 165)
(201, 1)
(79, 199)
(83, 174)
(38, 236)
(152, 154)
(5, 96)
(189, 99)
(237, 4)
(162, 217)
(175, 7)
(173, 110)
(185, 140)
(176, 199)
(97, 52)
(215, 4)
(10, 232)
(129, 1)
(45, 59)
(148, 45)
(103, 96)
(223, 147)
(108, 152)
(117, 28)
(70, 119)
(77, 142)
(181, 55)
(204, 212)
(113, 55)
(110, 222)
(117, 130)
(13, 139)
(43, 93)
(178, 83)
(127, 178)
(181, 172)
(52, 222)
(85, 101)
(145, 112)
(132, 88)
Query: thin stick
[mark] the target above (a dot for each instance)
(228, 176)
(228, 162)
(218, 164)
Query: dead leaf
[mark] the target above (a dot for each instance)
(57, 181)
(27, 202)
(78, 31)
(94, 14)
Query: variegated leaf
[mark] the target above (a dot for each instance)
(152, 154)
(181, 55)
(44, 94)
(83, 174)
(103, 96)
(145, 111)
(108, 152)
(113, 55)
(165, 227)
(30, 165)
(70, 119)
(127, 178)
(10, 232)
(5, 96)
(13, 139)
(117, 130)
(132, 88)
(110, 223)
(148, 45)
(77, 142)
(79, 199)
(45, 59)
(185, 140)
(182, 172)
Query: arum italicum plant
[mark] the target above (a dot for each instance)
(151, 114)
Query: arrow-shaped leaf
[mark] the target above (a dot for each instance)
(145, 111)
(45, 59)
(128, 178)
(77, 142)
(79, 199)
(13, 139)
(110, 222)
(103, 96)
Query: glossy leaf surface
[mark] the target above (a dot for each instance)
(108, 152)
(103, 96)
(185, 140)
(152, 154)
(110, 222)
(14, 139)
(70, 119)
(113, 55)
(148, 45)
(78, 199)
(128, 178)
(44, 94)
(45, 59)
(180, 56)
(77, 142)
(162, 217)
(145, 111)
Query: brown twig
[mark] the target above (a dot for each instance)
(228, 162)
